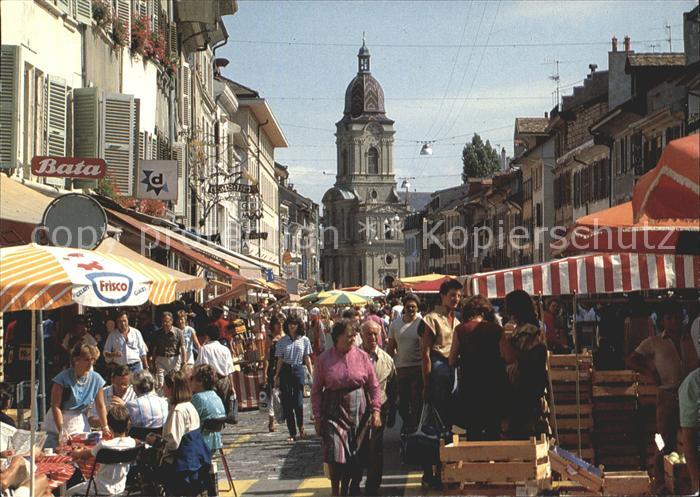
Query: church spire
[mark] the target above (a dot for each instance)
(363, 57)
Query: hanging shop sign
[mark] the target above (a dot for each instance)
(157, 179)
(234, 188)
(257, 235)
(69, 167)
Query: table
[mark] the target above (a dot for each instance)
(85, 465)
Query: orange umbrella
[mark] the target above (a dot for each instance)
(672, 189)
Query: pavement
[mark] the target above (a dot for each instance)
(264, 463)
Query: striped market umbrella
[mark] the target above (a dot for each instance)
(343, 298)
(309, 298)
(36, 277)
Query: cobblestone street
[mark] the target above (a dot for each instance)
(264, 463)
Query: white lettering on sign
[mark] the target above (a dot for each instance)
(69, 167)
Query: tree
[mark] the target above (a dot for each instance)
(480, 159)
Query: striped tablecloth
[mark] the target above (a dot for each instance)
(58, 469)
(247, 387)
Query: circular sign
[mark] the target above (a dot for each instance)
(74, 220)
(287, 257)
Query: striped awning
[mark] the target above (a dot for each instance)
(36, 277)
(592, 274)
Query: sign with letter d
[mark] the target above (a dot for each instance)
(157, 179)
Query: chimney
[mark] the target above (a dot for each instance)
(546, 115)
(627, 43)
(614, 43)
(592, 67)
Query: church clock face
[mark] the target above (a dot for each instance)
(373, 133)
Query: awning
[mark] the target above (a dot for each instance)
(408, 281)
(22, 209)
(614, 230)
(429, 286)
(238, 289)
(591, 274)
(185, 282)
(200, 247)
(172, 243)
(672, 189)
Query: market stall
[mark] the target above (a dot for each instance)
(39, 278)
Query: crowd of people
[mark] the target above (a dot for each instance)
(480, 368)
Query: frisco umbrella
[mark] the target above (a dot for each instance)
(343, 298)
(36, 278)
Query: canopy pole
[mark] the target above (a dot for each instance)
(32, 396)
(42, 369)
(578, 377)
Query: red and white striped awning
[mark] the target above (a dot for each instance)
(592, 274)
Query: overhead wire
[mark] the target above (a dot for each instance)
(464, 73)
(452, 71)
(478, 67)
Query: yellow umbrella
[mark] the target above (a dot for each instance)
(343, 298)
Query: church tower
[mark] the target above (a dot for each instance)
(363, 211)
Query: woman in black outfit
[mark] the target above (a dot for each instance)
(525, 352)
(483, 384)
(275, 333)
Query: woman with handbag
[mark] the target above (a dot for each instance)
(293, 351)
(270, 367)
(344, 379)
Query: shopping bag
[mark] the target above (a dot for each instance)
(277, 405)
(232, 415)
(423, 446)
(264, 402)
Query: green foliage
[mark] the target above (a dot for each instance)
(479, 159)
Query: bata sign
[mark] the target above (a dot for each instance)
(69, 167)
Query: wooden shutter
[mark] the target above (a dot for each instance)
(83, 11)
(87, 122)
(154, 148)
(179, 156)
(143, 9)
(123, 13)
(185, 82)
(154, 14)
(63, 5)
(172, 39)
(118, 139)
(55, 122)
(9, 105)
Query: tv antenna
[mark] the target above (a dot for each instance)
(669, 39)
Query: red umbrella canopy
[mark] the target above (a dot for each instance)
(430, 286)
(672, 189)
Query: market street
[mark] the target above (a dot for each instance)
(264, 463)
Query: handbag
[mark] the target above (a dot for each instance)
(276, 399)
(232, 416)
(423, 446)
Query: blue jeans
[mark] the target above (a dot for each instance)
(292, 393)
(135, 367)
(441, 381)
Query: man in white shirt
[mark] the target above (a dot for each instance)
(118, 393)
(126, 346)
(219, 357)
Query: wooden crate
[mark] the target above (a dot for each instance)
(523, 462)
(569, 469)
(626, 483)
(676, 478)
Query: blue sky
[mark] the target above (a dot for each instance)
(428, 56)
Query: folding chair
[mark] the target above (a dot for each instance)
(113, 456)
(215, 426)
(140, 433)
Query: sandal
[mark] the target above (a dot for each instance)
(302, 433)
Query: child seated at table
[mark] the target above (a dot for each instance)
(110, 479)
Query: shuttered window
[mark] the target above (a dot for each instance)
(185, 90)
(172, 39)
(55, 116)
(83, 11)
(119, 139)
(179, 156)
(123, 13)
(9, 105)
